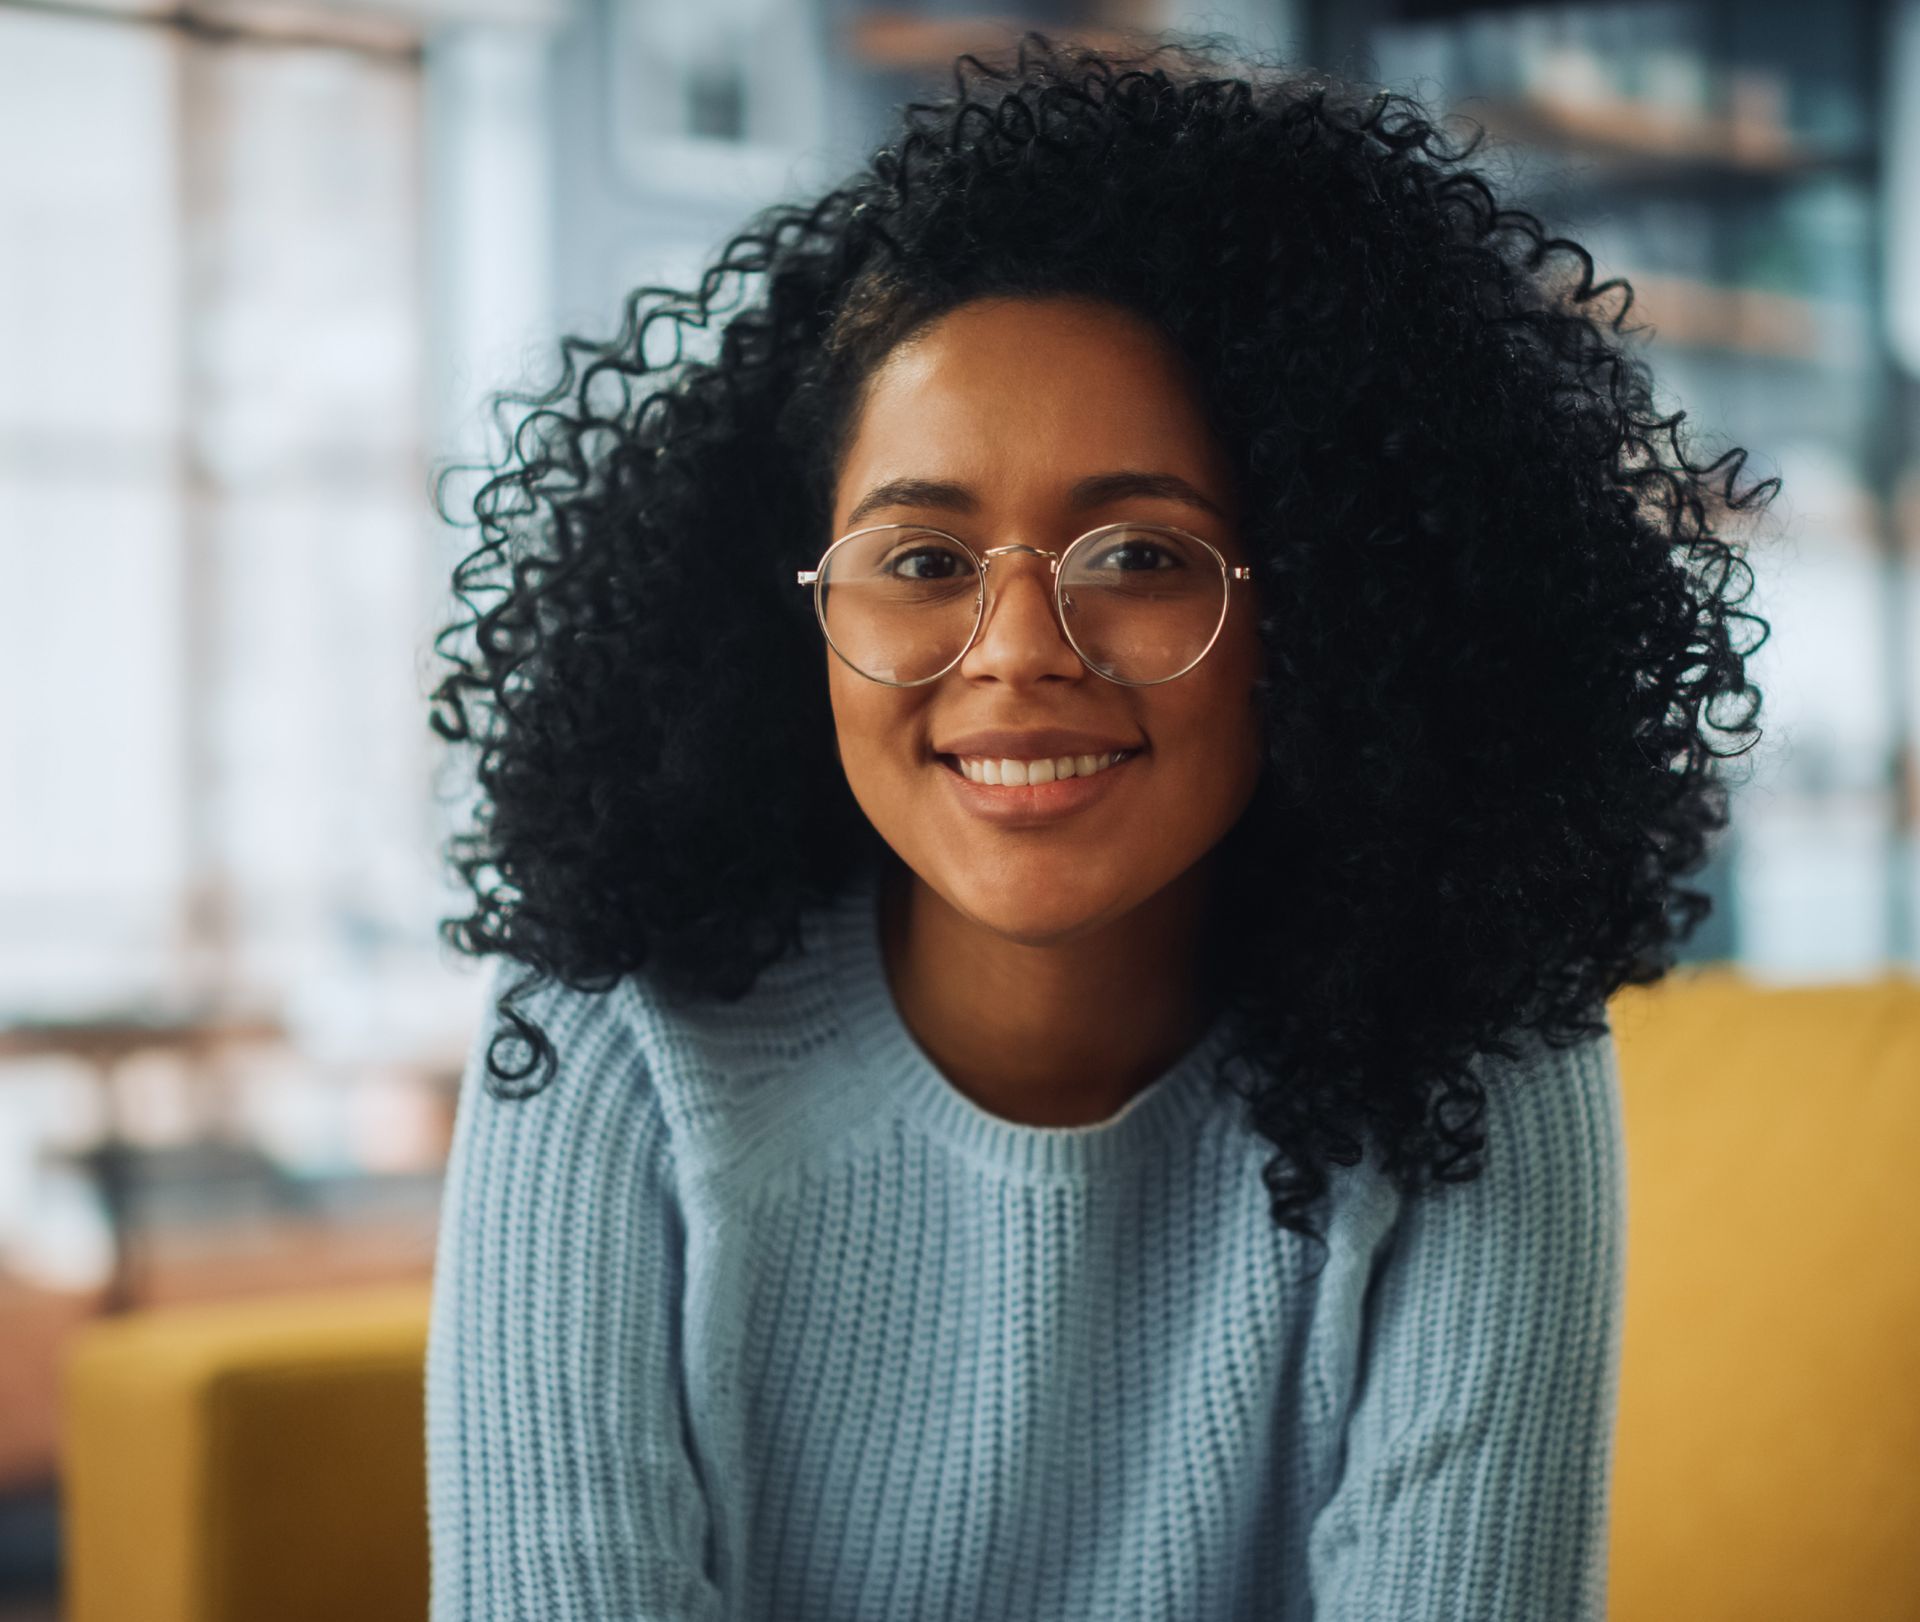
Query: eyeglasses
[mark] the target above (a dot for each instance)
(1140, 603)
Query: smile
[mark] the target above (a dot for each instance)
(1044, 795)
(1019, 773)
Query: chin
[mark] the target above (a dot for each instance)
(1040, 899)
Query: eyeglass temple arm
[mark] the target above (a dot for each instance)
(806, 577)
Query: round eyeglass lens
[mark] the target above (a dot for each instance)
(1141, 604)
(899, 603)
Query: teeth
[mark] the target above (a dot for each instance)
(1017, 773)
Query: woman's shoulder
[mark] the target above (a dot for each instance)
(1567, 1089)
(782, 1018)
(714, 1066)
(718, 1056)
(1550, 1190)
(1549, 1148)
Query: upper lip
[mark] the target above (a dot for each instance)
(1042, 744)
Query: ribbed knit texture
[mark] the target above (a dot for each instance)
(752, 1314)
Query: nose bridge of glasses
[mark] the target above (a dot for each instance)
(1002, 575)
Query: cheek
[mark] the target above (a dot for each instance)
(1214, 749)
(852, 725)
(873, 730)
(1213, 737)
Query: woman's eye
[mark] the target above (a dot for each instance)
(923, 563)
(1132, 557)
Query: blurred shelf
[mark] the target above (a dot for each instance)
(1747, 320)
(111, 1037)
(902, 41)
(1640, 140)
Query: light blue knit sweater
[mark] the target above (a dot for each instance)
(752, 1314)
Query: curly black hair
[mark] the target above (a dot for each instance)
(1496, 610)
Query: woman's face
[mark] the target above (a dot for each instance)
(1014, 403)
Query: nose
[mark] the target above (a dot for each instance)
(1021, 638)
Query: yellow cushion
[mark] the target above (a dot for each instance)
(248, 1461)
(1767, 1461)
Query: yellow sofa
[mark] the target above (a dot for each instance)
(262, 1461)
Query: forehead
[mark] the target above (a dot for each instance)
(1022, 394)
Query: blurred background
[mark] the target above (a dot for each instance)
(260, 266)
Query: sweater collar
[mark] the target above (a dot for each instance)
(1168, 1110)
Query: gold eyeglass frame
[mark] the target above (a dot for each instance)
(1229, 574)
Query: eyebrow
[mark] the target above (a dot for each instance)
(1093, 491)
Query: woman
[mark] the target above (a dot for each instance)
(1072, 800)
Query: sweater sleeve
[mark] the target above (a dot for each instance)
(1478, 1446)
(561, 1486)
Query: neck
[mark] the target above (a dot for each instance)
(1064, 1034)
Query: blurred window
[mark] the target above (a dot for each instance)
(212, 505)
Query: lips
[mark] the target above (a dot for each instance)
(1034, 805)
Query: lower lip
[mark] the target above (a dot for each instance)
(1022, 804)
